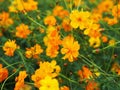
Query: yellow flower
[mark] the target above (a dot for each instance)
(5, 20)
(95, 42)
(50, 20)
(79, 19)
(46, 69)
(93, 31)
(22, 31)
(70, 48)
(3, 73)
(49, 83)
(21, 5)
(10, 47)
(20, 80)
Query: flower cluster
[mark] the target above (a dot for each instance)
(59, 44)
(44, 77)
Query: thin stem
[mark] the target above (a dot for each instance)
(23, 60)
(6, 63)
(68, 78)
(106, 47)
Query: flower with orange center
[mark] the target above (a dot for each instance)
(85, 73)
(92, 85)
(50, 20)
(22, 31)
(46, 69)
(20, 80)
(79, 19)
(3, 73)
(9, 47)
(33, 51)
(5, 19)
(70, 48)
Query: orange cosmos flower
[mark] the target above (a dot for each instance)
(116, 11)
(3, 73)
(60, 12)
(33, 51)
(70, 48)
(85, 73)
(104, 39)
(20, 80)
(50, 20)
(105, 6)
(64, 88)
(5, 20)
(92, 85)
(46, 69)
(52, 41)
(66, 24)
(9, 47)
(22, 31)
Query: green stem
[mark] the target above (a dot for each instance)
(12, 64)
(106, 47)
(68, 78)
(9, 77)
(6, 63)
(23, 60)
(31, 19)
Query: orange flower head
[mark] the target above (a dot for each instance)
(50, 20)
(60, 12)
(33, 51)
(22, 31)
(3, 73)
(104, 39)
(52, 41)
(70, 48)
(5, 19)
(20, 80)
(66, 24)
(92, 85)
(64, 88)
(9, 47)
(85, 73)
(116, 11)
